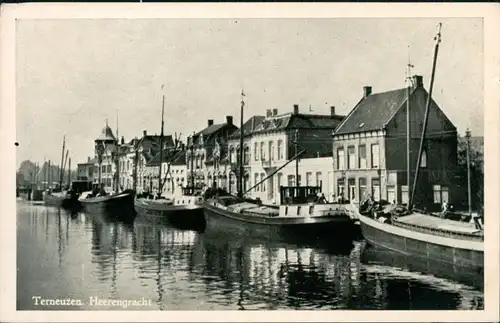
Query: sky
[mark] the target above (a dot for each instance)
(72, 75)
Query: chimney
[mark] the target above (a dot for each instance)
(332, 110)
(295, 109)
(210, 122)
(418, 81)
(275, 112)
(367, 90)
(145, 133)
(229, 120)
(123, 140)
(269, 113)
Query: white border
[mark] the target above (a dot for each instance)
(491, 18)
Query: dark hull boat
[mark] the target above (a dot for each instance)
(425, 236)
(430, 268)
(66, 202)
(181, 216)
(311, 223)
(118, 206)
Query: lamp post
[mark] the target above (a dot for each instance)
(467, 135)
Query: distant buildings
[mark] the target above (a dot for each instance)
(361, 154)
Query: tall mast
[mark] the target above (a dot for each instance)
(49, 176)
(408, 128)
(161, 142)
(426, 117)
(62, 161)
(192, 160)
(64, 166)
(117, 157)
(69, 173)
(240, 171)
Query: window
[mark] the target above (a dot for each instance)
(271, 150)
(437, 193)
(340, 186)
(262, 154)
(103, 169)
(262, 176)
(291, 180)
(340, 158)
(375, 157)
(376, 189)
(256, 177)
(391, 194)
(444, 194)
(351, 163)
(256, 151)
(280, 149)
(362, 156)
(308, 179)
(318, 179)
(246, 156)
(108, 182)
(441, 194)
(362, 189)
(280, 179)
(404, 194)
(299, 181)
(352, 189)
(423, 159)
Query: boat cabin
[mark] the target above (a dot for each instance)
(190, 196)
(300, 195)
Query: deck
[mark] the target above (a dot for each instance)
(439, 223)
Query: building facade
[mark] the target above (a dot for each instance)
(204, 152)
(85, 171)
(278, 139)
(105, 156)
(370, 150)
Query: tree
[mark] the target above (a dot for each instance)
(476, 169)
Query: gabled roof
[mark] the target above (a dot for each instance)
(299, 120)
(248, 127)
(175, 156)
(373, 112)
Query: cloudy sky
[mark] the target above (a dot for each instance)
(72, 75)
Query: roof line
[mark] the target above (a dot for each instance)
(399, 108)
(341, 124)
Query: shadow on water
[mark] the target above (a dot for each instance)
(60, 254)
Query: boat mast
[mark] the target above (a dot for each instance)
(408, 129)
(117, 157)
(426, 117)
(161, 142)
(69, 173)
(62, 160)
(297, 159)
(192, 161)
(49, 176)
(467, 135)
(64, 167)
(240, 170)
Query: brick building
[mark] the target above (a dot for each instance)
(369, 149)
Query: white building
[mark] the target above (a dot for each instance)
(278, 138)
(105, 154)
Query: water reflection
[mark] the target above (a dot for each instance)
(82, 256)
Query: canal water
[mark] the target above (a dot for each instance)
(151, 266)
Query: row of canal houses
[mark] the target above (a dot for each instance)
(354, 155)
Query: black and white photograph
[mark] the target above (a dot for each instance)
(201, 161)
